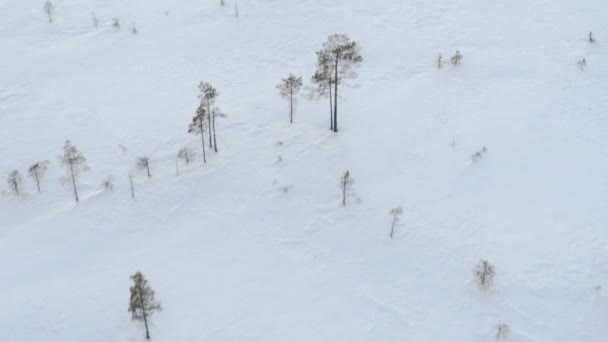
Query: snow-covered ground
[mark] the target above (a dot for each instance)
(234, 258)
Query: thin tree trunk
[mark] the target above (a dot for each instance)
(331, 107)
(148, 170)
(336, 95)
(37, 180)
(74, 182)
(209, 120)
(176, 167)
(143, 311)
(344, 193)
(131, 182)
(291, 105)
(214, 141)
(203, 141)
(393, 227)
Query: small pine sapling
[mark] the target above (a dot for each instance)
(484, 274)
(134, 29)
(14, 182)
(288, 89)
(455, 60)
(479, 155)
(502, 331)
(49, 9)
(186, 154)
(395, 213)
(143, 163)
(582, 63)
(108, 183)
(37, 171)
(591, 38)
(142, 303)
(346, 186)
(74, 162)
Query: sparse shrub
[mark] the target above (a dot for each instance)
(14, 182)
(186, 154)
(582, 63)
(37, 171)
(142, 303)
(502, 331)
(479, 155)
(484, 274)
(49, 9)
(591, 38)
(108, 183)
(346, 186)
(457, 58)
(116, 23)
(143, 163)
(95, 20)
(395, 213)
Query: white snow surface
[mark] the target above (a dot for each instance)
(234, 258)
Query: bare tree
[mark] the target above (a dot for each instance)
(289, 88)
(502, 331)
(455, 60)
(346, 186)
(341, 55)
(14, 182)
(208, 96)
(484, 274)
(197, 126)
(95, 20)
(75, 162)
(142, 303)
(395, 213)
(143, 163)
(49, 9)
(37, 171)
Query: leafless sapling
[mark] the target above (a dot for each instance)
(131, 184)
(457, 58)
(341, 55)
(74, 162)
(502, 331)
(14, 182)
(288, 89)
(346, 186)
(208, 96)
(439, 61)
(484, 274)
(37, 171)
(49, 9)
(197, 126)
(142, 303)
(143, 163)
(395, 213)
(95, 20)
(591, 38)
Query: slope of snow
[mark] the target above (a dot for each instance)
(234, 258)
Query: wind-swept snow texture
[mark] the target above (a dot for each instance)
(232, 256)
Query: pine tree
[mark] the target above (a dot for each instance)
(289, 88)
(14, 182)
(484, 274)
(75, 162)
(340, 55)
(37, 170)
(197, 126)
(208, 96)
(322, 79)
(142, 303)
(346, 186)
(215, 113)
(143, 163)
